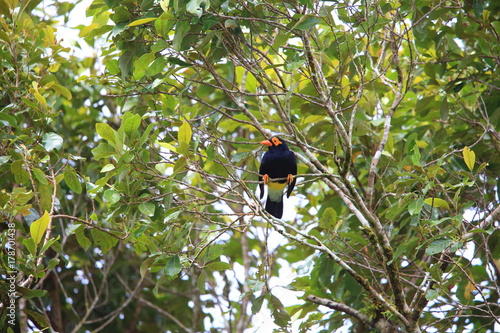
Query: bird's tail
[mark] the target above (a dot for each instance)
(275, 208)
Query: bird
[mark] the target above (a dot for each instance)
(278, 162)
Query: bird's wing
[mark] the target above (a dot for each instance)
(293, 171)
(262, 171)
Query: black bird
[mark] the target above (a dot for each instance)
(278, 162)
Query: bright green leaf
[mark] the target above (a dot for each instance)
(40, 99)
(38, 228)
(185, 132)
(108, 167)
(131, 125)
(469, 157)
(437, 202)
(142, 21)
(167, 146)
(106, 132)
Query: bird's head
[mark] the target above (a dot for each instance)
(275, 142)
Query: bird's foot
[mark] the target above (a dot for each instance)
(289, 179)
(265, 178)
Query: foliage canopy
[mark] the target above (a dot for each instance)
(129, 177)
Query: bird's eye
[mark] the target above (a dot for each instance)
(276, 141)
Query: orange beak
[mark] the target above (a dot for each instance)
(267, 143)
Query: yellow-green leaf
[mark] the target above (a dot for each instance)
(38, 228)
(40, 99)
(437, 202)
(142, 21)
(108, 167)
(469, 288)
(469, 157)
(313, 119)
(63, 91)
(40, 176)
(167, 146)
(71, 179)
(345, 86)
(106, 132)
(185, 132)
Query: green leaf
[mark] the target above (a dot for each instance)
(196, 7)
(257, 304)
(40, 176)
(103, 239)
(181, 30)
(112, 66)
(328, 219)
(81, 238)
(38, 228)
(213, 252)
(147, 208)
(142, 64)
(171, 215)
(142, 21)
(438, 246)
(111, 196)
(280, 315)
(30, 246)
(106, 132)
(399, 207)
(4, 159)
(40, 99)
(202, 283)
(173, 266)
(49, 244)
(52, 263)
(125, 63)
(103, 150)
(145, 266)
(71, 179)
(30, 293)
(167, 146)
(405, 248)
(164, 24)
(131, 125)
(415, 156)
(306, 23)
(218, 266)
(437, 202)
(469, 157)
(63, 91)
(108, 167)
(52, 141)
(177, 61)
(415, 206)
(432, 294)
(444, 109)
(185, 132)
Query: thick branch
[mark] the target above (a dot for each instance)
(342, 308)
